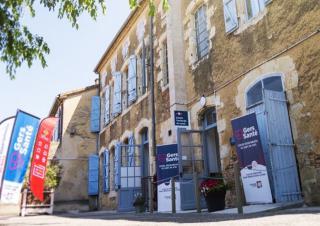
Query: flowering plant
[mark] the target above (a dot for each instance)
(212, 185)
(139, 200)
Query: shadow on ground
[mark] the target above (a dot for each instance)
(185, 217)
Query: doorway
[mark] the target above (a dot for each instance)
(198, 153)
(266, 98)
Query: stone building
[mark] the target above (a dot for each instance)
(245, 56)
(73, 142)
(217, 60)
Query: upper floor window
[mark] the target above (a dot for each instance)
(253, 7)
(255, 93)
(117, 93)
(144, 69)
(165, 67)
(250, 8)
(202, 35)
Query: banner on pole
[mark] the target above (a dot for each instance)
(5, 134)
(23, 135)
(254, 173)
(167, 167)
(40, 156)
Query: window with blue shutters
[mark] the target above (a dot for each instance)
(202, 34)
(253, 7)
(230, 15)
(95, 114)
(106, 164)
(93, 175)
(117, 93)
(107, 105)
(132, 79)
(144, 70)
(117, 166)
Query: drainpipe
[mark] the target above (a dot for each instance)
(153, 116)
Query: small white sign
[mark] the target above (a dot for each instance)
(164, 197)
(256, 184)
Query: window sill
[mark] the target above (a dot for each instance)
(246, 23)
(198, 62)
(165, 87)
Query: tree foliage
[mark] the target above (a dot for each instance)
(18, 45)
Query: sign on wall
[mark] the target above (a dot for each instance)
(20, 149)
(181, 118)
(254, 173)
(167, 167)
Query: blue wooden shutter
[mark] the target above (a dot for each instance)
(117, 93)
(95, 114)
(132, 79)
(106, 187)
(93, 175)
(266, 2)
(117, 166)
(230, 15)
(107, 105)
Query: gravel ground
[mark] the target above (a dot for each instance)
(293, 217)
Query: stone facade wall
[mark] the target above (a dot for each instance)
(137, 116)
(77, 143)
(256, 48)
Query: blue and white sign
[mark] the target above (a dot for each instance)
(20, 150)
(167, 167)
(254, 173)
(181, 118)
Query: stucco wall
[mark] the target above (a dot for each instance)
(77, 143)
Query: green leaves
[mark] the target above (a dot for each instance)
(18, 45)
(152, 7)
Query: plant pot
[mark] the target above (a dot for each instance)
(215, 200)
(140, 208)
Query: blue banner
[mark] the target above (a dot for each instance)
(20, 150)
(253, 171)
(246, 133)
(167, 162)
(167, 167)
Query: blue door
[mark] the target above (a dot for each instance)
(191, 159)
(130, 163)
(278, 147)
(281, 148)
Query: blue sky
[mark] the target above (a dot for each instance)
(74, 54)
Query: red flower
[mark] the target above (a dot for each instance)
(211, 185)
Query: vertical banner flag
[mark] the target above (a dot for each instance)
(167, 167)
(23, 135)
(253, 171)
(5, 134)
(40, 156)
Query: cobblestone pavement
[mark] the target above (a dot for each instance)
(293, 217)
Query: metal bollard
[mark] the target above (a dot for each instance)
(238, 187)
(196, 191)
(173, 195)
(150, 186)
